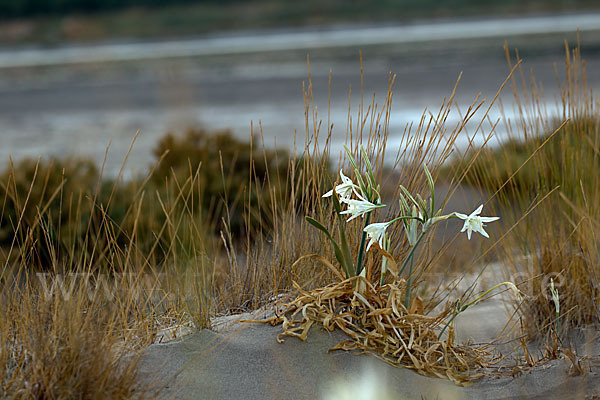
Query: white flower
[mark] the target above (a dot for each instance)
(344, 189)
(358, 208)
(474, 222)
(376, 233)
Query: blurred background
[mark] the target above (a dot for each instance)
(76, 74)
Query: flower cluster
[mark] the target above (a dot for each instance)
(356, 207)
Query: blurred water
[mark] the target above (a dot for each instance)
(304, 40)
(51, 106)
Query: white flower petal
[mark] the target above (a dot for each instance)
(489, 219)
(344, 189)
(358, 208)
(478, 211)
(345, 179)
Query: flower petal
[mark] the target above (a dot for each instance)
(478, 211)
(345, 179)
(489, 219)
(483, 232)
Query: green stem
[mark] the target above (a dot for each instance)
(345, 249)
(410, 271)
(448, 324)
(412, 251)
(406, 217)
(361, 249)
(409, 283)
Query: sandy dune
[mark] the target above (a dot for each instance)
(244, 361)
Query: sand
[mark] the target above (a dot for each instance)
(244, 361)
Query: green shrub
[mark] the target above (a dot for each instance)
(59, 213)
(41, 198)
(233, 177)
(64, 213)
(557, 163)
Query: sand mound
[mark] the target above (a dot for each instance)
(245, 361)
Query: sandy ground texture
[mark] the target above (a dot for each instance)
(244, 361)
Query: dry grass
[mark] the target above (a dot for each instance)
(56, 347)
(552, 154)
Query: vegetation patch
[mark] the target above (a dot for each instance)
(546, 181)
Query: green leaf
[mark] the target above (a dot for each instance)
(365, 157)
(431, 187)
(319, 226)
(423, 207)
(404, 208)
(336, 203)
(348, 265)
(350, 158)
(339, 254)
(407, 194)
(358, 175)
(345, 251)
(429, 178)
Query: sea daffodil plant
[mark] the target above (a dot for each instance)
(416, 214)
